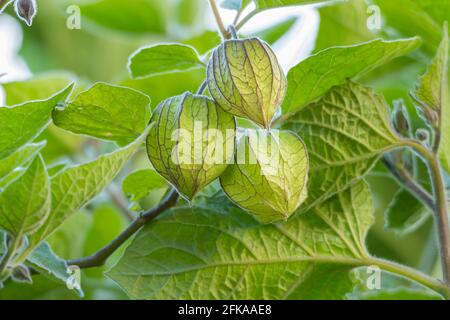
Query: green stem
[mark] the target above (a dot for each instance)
(441, 211)
(412, 274)
(219, 21)
(14, 244)
(246, 19)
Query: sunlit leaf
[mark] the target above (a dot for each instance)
(433, 93)
(22, 123)
(25, 202)
(163, 58)
(232, 256)
(77, 185)
(140, 183)
(106, 112)
(314, 76)
(19, 158)
(345, 134)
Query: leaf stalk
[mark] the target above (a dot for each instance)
(100, 257)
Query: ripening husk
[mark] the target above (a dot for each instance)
(175, 146)
(246, 80)
(270, 187)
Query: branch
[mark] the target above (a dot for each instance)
(246, 19)
(99, 258)
(441, 211)
(408, 182)
(219, 21)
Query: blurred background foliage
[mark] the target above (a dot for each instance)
(113, 29)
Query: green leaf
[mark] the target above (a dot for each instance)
(163, 58)
(339, 28)
(269, 4)
(232, 256)
(43, 260)
(106, 112)
(433, 92)
(37, 88)
(433, 84)
(140, 183)
(4, 4)
(135, 17)
(54, 169)
(157, 88)
(405, 213)
(25, 202)
(269, 174)
(204, 41)
(19, 158)
(76, 186)
(422, 18)
(314, 76)
(191, 142)
(345, 134)
(22, 123)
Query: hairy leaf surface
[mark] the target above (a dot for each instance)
(47, 263)
(106, 112)
(220, 252)
(345, 133)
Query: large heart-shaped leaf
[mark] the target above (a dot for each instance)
(225, 254)
(345, 134)
(106, 112)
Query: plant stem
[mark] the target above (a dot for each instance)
(14, 244)
(99, 258)
(409, 183)
(238, 16)
(202, 87)
(219, 21)
(441, 210)
(246, 19)
(442, 217)
(411, 273)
